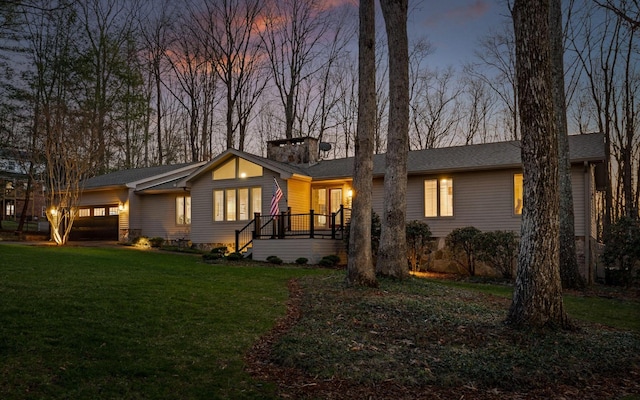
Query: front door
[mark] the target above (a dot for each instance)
(325, 202)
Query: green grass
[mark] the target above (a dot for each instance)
(87, 323)
(613, 312)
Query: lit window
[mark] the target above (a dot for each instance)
(225, 171)
(256, 200)
(99, 212)
(84, 212)
(236, 204)
(438, 197)
(517, 194)
(113, 211)
(218, 205)
(183, 210)
(237, 168)
(248, 169)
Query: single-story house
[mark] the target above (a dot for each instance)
(227, 201)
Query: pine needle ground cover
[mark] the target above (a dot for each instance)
(424, 339)
(119, 323)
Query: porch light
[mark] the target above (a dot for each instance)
(120, 206)
(349, 193)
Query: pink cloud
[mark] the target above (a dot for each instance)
(459, 15)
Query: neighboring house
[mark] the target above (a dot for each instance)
(477, 185)
(129, 203)
(14, 176)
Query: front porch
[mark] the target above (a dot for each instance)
(292, 236)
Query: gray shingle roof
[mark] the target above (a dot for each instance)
(589, 147)
(122, 178)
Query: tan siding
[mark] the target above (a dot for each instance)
(103, 197)
(299, 196)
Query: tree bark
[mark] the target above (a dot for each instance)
(569, 273)
(392, 254)
(360, 269)
(537, 298)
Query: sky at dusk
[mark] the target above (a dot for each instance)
(454, 26)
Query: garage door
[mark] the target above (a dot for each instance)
(96, 223)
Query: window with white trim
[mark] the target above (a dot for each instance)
(238, 204)
(183, 210)
(438, 197)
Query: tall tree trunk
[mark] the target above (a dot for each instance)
(569, 273)
(537, 298)
(392, 254)
(360, 269)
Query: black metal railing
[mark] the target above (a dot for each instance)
(285, 224)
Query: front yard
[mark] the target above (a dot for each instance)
(89, 323)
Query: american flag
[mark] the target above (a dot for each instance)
(277, 195)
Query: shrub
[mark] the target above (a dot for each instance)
(156, 241)
(419, 242)
(141, 241)
(498, 249)
(302, 261)
(622, 251)
(274, 260)
(235, 256)
(222, 250)
(329, 261)
(462, 245)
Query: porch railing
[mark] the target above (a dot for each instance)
(286, 224)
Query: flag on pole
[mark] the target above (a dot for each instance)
(277, 195)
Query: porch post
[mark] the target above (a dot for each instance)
(281, 224)
(237, 241)
(333, 225)
(256, 225)
(311, 226)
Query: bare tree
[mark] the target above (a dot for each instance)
(293, 32)
(360, 268)
(496, 67)
(392, 253)
(435, 115)
(569, 272)
(107, 27)
(537, 297)
(477, 106)
(228, 29)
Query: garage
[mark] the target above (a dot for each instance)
(96, 223)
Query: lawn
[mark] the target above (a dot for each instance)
(88, 323)
(85, 323)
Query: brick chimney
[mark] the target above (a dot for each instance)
(300, 150)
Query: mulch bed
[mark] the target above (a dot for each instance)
(296, 384)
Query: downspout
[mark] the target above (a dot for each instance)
(587, 222)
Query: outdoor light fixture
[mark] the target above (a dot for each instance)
(349, 193)
(120, 206)
(54, 211)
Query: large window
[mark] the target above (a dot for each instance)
(517, 194)
(237, 168)
(236, 204)
(183, 210)
(438, 197)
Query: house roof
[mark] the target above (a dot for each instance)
(133, 177)
(588, 147)
(287, 170)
